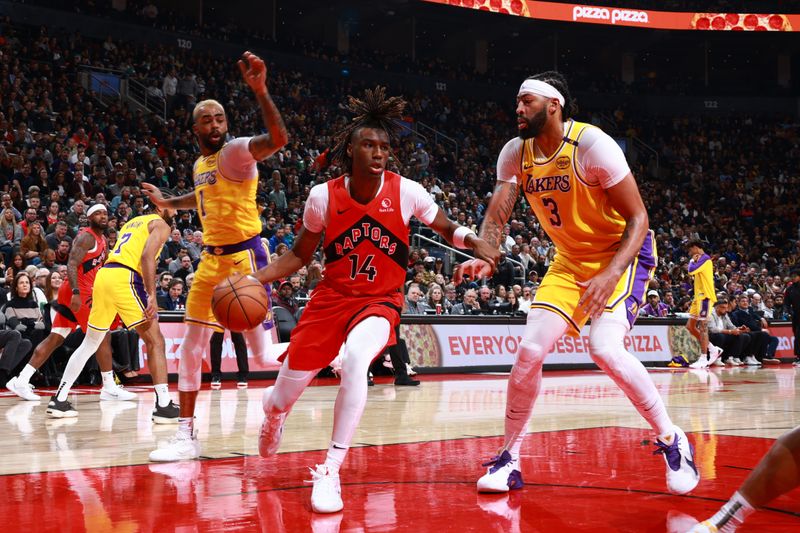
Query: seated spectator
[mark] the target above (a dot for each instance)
(780, 311)
(59, 234)
(195, 248)
(526, 299)
(513, 301)
(189, 280)
(163, 284)
(450, 295)
(763, 345)
(174, 299)
(484, 299)
(285, 297)
(16, 266)
(469, 304)
(22, 312)
(436, 302)
(185, 267)
(31, 216)
(11, 231)
(33, 244)
(62, 252)
(724, 334)
(415, 305)
(654, 306)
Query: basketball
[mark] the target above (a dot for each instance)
(240, 303)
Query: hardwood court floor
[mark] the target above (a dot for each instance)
(588, 465)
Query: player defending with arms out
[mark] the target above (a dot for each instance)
(72, 310)
(126, 286)
(364, 216)
(225, 181)
(579, 186)
(701, 268)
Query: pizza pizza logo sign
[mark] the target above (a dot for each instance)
(740, 22)
(613, 15)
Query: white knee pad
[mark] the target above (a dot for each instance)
(530, 358)
(191, 357)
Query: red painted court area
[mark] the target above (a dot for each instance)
(602, 479)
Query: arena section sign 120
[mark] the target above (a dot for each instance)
(620, 16)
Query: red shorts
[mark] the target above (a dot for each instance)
(69, 319)
(328, 319)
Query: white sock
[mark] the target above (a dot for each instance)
(336, 454)
(108, 379)
(732, 514)
(26, 375)
(162, 394)
(78, 360)
(186, 426)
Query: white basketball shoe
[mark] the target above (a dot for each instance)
(326, 494)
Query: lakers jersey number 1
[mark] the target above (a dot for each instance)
(227, 207)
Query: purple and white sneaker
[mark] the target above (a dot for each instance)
(503, 474)
(682, 474)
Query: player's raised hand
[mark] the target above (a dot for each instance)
(474, 268)
(254, 72)
(154, 193)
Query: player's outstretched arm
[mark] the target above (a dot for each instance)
(486, 255)
(254, 73)
(184, 201)
(159, 233)
(80, 247)
(497, 214)
(500, 207)
(293, 260)
(624, 197)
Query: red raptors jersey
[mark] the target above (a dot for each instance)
(92, 261)
(366, 246)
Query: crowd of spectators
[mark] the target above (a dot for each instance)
(732, 182)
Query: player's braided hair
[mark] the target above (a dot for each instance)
(374, 110)
(557, 80)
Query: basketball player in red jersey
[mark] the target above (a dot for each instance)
(72, 310)
(364, 215)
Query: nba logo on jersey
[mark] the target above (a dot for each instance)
(386, 206)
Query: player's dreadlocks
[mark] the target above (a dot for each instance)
(557, 80)
(375, 110)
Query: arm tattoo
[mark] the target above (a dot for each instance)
(80, 246)
(500, 209)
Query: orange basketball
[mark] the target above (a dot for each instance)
(240, 303)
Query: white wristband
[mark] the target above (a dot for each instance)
(460, 235)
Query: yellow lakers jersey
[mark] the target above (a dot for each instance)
(575, 215)
(227, 208)
(131, 240)
(703, 272)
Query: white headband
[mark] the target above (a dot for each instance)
(542, 89)
(95, 208)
